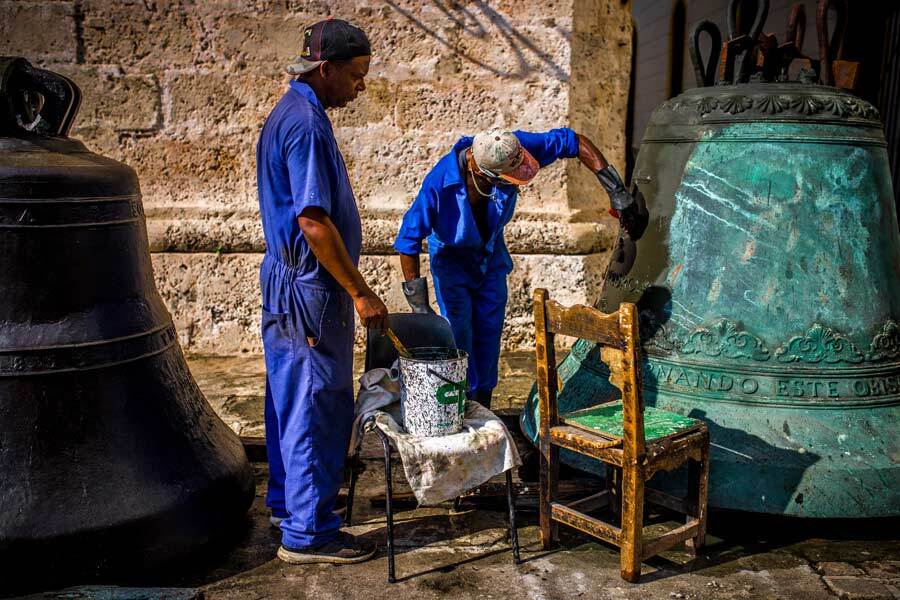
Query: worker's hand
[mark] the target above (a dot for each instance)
(619, 198)
(635, 218)
(627, 206)
(416, 292)
(372, 311)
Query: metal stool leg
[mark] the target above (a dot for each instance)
(351, 491)
(513, 532)
(388, 504)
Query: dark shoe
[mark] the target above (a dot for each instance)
(343, 550)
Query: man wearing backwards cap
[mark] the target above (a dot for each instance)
(462, 207)
(310, 286)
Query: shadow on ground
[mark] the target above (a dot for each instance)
(467, 555)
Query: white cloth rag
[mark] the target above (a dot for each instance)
(377, 389)
(440, 468)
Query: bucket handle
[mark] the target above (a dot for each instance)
(431, 371)
(456, 384)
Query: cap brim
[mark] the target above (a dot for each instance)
(301, 66)
(525, 172)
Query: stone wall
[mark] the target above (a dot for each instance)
(179, 90)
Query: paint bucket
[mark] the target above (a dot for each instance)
(433, 391)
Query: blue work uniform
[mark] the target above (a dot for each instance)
(307, 318)
(468, 269)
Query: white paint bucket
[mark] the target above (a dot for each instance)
(433, 391)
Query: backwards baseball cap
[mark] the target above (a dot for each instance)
(500, 154)
(331, 39)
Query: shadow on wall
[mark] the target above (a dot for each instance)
(470, 24)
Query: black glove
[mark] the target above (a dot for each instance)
(628, 207)
(416, 292)
(635, 218)
(619, 198)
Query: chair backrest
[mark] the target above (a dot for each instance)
(617, 335)
(415, 330)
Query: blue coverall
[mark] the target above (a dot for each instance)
(309, 386)
(469, 272)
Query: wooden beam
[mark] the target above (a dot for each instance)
(588, 525)
(669, 501)
(579, 441)
(592, 502)
(669, 539)
(584, 322)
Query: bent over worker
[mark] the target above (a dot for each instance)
(310, 286)
(462, 207)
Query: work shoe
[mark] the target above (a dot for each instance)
(343, 550)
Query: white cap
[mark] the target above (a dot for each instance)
(499, 153)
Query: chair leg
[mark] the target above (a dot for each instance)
(698, 486)
(632, 522)
(549, 483)
(613, 487)
(388, 505)
(513, 531)
(351, 491)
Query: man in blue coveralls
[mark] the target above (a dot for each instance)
(310, 286)
(462, 207)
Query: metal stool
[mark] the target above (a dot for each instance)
(414, 330)
(388, 501)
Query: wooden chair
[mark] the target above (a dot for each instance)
(634, 442)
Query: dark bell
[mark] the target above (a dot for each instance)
(109, 453)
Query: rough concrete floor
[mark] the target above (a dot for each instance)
(467, 555)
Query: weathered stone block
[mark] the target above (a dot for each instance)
(386, 165)
(259, 38)
(414, 40)
(470, 107)
(192, 228)
(837, 568)
(38, 31)
(113, 99)
(217, 173)
(160, 34)
(555, 11)
(376, 105)
(516, 50)
(201, 103)
(600, 68)
(858, 588)
(883, 569)
(214, 299)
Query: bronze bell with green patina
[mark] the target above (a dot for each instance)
(768, 285)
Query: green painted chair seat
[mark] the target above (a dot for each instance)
(606, 419)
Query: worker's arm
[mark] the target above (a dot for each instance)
(416, 225)
(326, 243)
(589, 155)
(409, 264)
(632, 216)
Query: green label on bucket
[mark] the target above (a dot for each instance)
(453, 393)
